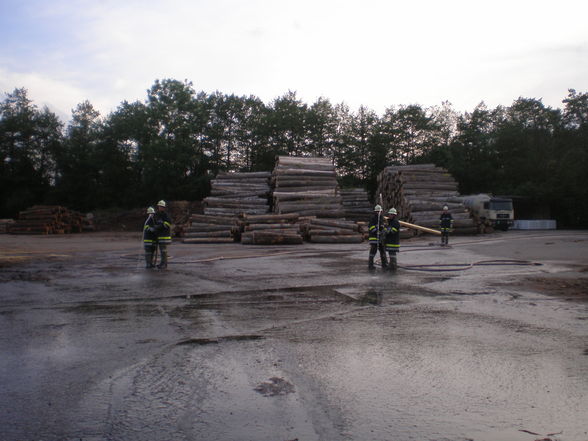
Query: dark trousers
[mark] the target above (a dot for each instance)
(149, 254)
(374, 248)
(163, 255)
(393, 261)
(444, 236)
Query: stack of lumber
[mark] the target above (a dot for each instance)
(356, 204)
(47, 219)
(332, 231)
(209, 229)
(236, 193)
(419, 193)
(270, 229)
(5, 225)
(307, 186)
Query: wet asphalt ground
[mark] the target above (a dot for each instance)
(235, 343)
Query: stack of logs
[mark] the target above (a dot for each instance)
(48, 219)
(307, 186)
(269, 229)
(5, 225)
(419, 193)
(356, 204)
(235, 193)
(232, 195)
(209, 229)
(332, 231)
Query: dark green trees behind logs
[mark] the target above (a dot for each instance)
(173, 143)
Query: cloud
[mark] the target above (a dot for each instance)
(58, 96)
(377, 53)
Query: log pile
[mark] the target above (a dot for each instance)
(5, 225)
(235, 193)
(356, 204)
(332, 231)
(419, 193)
(307, 186)
(232, 195)
(209, 229)
(270, 229)
(48, 219)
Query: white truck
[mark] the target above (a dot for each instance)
(496, 210)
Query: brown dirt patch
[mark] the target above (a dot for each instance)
(569, 288)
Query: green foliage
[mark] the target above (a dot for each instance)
(171, 145)
(29, 140)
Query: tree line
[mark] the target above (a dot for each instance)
(172, 144)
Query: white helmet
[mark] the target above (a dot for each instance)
(392, 211)
(378, 208)
(150, 210)
(445, 207)
(161, 203)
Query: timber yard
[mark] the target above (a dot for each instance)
(270, 327)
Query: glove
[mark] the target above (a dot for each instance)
(151, 230)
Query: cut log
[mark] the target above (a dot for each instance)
(194, 234)
(202, 240)
(420, 228)
(355, 238)
(270, 238)
(336, 223)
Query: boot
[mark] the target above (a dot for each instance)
(371, 262)
(149, 259)
(384, 261)
(163, 263)
(393, 263)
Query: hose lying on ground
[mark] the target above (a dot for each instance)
(438, 267)
(434, 267)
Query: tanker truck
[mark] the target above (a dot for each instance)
(496, 210)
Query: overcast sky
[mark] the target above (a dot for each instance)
(377, 53)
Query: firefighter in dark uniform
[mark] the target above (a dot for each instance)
(149, 238)
(376, 238)
(163, 227)
(393, 238)
(446, 224)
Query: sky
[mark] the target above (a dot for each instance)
(375, 53)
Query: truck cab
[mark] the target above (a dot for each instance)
(497, 210)
(500, 212)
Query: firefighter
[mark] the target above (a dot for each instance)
(149, 238)
(376, 238)
(163, 227)
(393, 237)
(446, 224)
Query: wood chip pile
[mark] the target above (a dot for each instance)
(270, 229)
(419, 193)
(356, 204)
(48, 219)
(307, 186)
